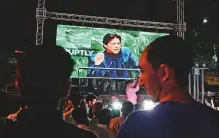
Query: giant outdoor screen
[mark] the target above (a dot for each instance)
(103, 52)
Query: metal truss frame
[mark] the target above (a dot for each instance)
(42, 14)
(109, 21)
(39, 33)
(180, 19)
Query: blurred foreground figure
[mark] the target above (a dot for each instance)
(43, 84)
(165, 65)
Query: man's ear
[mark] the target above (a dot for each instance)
(105, 46)
(141, 81)
(164, 72)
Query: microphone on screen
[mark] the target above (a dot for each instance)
(107, 70)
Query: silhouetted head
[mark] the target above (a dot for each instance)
(44, 72)
(76, 99)
(98, 106)
(91, 100)
(105, 116)
(127, 108)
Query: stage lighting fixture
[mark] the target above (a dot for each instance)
(200, 65)
(196, 65)
(204, 65)
(205, 20)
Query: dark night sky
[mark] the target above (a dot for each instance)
(18, 23)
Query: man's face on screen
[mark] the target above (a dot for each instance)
(113, 46)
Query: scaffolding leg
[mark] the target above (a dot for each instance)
(202, 85)
(194, 86)
(39, 33)
(197, 87)
(190, 81)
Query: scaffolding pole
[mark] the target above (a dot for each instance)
(40, 16)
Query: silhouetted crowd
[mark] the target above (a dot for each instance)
(90, 114)
(50, 109)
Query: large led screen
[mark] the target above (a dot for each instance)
(103, 52)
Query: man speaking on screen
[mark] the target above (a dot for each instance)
(114, 56)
